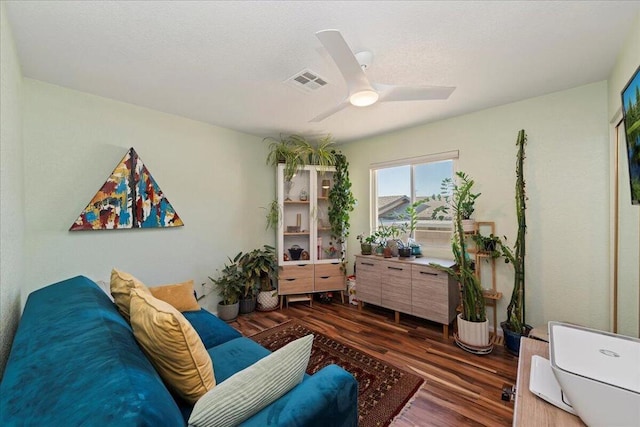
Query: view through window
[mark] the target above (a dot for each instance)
(398, 186)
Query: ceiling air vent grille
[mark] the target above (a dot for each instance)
(306, 80)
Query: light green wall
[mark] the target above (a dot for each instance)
(11, 190)
(628, 265)
(566, 172)
(215, 178)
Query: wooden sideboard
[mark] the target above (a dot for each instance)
(408, 286)
(530, 410)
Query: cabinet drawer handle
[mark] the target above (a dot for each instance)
(367, 263)
(324, 277)
(289, 280)
(430, 274)
(395, 268)
(301, 265)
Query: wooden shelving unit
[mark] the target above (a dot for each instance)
(491, 295)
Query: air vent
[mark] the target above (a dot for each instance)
(306, 80)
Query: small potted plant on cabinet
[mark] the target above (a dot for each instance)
(261, 269)
(230, 285)
(407, 249)
(473, 326)
(366, 243)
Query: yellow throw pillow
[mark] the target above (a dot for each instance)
(121, 285)
(172, 345)
(179, 295)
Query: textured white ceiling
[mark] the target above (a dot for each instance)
(225, 62)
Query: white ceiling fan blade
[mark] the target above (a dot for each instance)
(413, 93)
(344, 58)
(330, 112)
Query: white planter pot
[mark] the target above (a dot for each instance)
(267, 300)
(474, 334)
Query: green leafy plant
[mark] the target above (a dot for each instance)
(464, 208)
(489, 244)
(341, 200)
(369, 239)
(231, 281)
(515, 310)
(260, 267)
(296, 151)
(473, 303)
(274, 215)
(284, 150)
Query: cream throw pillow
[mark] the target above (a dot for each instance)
(179, 295)
(172, 345)
(121, 285)
(247, 392)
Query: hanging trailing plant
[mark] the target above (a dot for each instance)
(341, 201)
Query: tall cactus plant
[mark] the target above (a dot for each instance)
(515, 310)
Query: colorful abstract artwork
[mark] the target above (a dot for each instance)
(130, 198)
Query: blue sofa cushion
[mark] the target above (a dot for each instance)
(74, 361)
(212, 330)
(235, 355)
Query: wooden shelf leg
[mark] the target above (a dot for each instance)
(281, 301)
(397, 317)
(360, 305)
(445, 331)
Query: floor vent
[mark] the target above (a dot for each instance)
(306, 80)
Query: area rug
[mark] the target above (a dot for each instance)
(383, 389)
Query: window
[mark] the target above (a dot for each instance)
(396, 185)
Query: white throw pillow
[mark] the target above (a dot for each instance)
(247, 392)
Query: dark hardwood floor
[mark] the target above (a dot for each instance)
(460, 389)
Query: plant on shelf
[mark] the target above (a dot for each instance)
(387, 236)
(230, 285)
(488, 244)
(473, 303)
(366, 243)
(341, 203)
(411, 215)
(274, 215)
(464, 210)
(261, 270)
(515, 326)
(296, 151)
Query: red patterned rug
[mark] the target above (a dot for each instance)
(383, 389)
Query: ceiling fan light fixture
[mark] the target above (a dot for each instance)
(363, 98)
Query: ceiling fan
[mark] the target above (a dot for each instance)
(363, 93)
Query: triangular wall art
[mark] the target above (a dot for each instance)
(130, 198)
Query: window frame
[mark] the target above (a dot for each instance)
(412, 162)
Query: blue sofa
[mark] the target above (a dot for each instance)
(75, 361)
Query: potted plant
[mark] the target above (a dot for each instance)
(473, 326)
(274, 215)
(488, 244)
(230, 285)
(296, 151)
(465, 208)
(407, 250)
(366, 243)
(261, 269)
(515, 327)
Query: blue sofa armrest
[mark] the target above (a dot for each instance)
(210, 328)
(327, 398)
